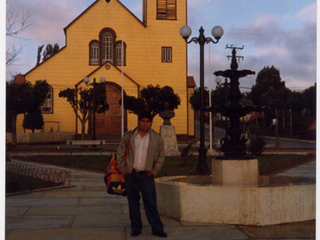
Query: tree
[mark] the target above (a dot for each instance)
(219, 98)
(310, 100)
(271, 92)
(24, 98)
(268, 78)
(39, 54)
(33, 121)
(152, 99)
(83, 106)
(297, 116)
(14, 29)
(48, 52)
(195, 99)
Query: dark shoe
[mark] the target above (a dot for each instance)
(161, 234)
(135, 234)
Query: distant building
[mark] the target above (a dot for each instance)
(309, 129)
(153, 53)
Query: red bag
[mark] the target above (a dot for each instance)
(114, 179)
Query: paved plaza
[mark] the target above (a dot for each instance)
(85, 211)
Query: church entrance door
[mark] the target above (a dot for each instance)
(110, 121)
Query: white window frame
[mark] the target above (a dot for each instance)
(107, 47)
(94, 55)
(166, 54)
(47, 106)
(118, 53)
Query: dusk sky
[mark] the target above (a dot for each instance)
(273, 32)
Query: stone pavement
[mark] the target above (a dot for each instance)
(86, 211)
(307, 170)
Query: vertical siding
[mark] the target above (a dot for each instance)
(143, 59)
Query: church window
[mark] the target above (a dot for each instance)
(166, 54)
(166, 9)
(119, 53)
(107, 47)
(47, 106)
(94, 53)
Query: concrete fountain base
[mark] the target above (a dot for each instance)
(270, 201)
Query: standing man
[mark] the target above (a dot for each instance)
(143, 162)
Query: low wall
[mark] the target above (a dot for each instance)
(244, 205)
(41, 137)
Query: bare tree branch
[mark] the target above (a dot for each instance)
(14, 26)
(12, 54)
(14, 29)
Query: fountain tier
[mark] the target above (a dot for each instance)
(271, 201)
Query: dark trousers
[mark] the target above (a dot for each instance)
(140, 182)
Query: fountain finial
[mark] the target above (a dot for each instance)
(234, 64)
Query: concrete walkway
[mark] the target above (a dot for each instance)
(86, 211)
(307, 170)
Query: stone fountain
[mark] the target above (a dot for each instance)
(235, 193)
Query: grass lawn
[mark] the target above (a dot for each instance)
(268, 163)
(19, 183)
(275, 163)
(173, 166)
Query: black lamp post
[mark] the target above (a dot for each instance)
(217, 33)
(87, 80)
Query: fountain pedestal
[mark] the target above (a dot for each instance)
(235, 172)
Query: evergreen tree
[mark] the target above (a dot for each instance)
(48, 52)
(271, 92)
(33, 121)
(24, 98)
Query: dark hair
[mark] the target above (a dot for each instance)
(145, 114)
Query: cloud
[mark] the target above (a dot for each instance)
(48, 19)
(198, 4)
(308, 13)
(286, 41)
(292, 51)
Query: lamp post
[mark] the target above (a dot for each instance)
(217, 33)
(87, 80)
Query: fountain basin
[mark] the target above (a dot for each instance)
(271, 201)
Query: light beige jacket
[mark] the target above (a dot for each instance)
(155, 153)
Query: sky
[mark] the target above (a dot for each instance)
(281, 33)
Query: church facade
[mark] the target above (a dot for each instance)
(107, 40)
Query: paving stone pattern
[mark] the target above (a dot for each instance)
(86, 211)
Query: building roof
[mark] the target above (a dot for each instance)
(65, 29)
(309, 126)
(190, 82)
(19, 79)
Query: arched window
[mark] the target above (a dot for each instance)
(107, 47)
(47, 106)
(94, 53)
(120, 52)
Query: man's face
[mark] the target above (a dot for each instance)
(145, 124)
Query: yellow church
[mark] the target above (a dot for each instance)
(109, 41)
